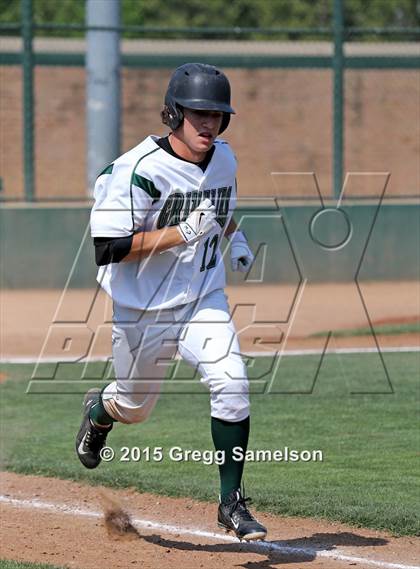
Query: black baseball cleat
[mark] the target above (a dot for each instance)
(90, 439)
(233, 515)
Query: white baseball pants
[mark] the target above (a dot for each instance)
(145, 343)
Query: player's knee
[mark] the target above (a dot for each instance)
(230, 407)
(137, 415)
(230, 398)
(131, 416)
(226, 371)
(126, 411)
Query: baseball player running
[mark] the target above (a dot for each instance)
(160, 213)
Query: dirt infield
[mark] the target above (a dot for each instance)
(63, 523)
(261, 314)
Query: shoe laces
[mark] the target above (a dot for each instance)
(240, 506)
(95, 438)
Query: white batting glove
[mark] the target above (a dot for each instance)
(241, 256)
(200, 221)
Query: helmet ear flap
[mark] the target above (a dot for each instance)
(179, 115)
(225, 122)
(172, 115)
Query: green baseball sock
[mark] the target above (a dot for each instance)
(226, 436)
(98, 415)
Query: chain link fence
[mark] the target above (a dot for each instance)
(330, 100)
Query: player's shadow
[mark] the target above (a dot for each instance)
(272, 558)
(299, 550)
(328, 541)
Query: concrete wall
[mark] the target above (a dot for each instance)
(41, 246)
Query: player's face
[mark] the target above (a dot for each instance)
(200, 129)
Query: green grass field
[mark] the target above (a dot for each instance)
(382, 329)
(370, 442)
(5, 564)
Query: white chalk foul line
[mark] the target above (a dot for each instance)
(307, 352)
(264, 546)
(332, 351)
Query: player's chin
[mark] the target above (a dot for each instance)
(204, 143)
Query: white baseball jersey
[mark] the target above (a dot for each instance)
(146, 189)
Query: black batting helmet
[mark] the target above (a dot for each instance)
(197, 86)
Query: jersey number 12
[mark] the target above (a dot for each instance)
(212, 245)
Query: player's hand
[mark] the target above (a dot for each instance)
(241, 256)
(201, 221)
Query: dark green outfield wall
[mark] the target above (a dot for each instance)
(42, 245)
